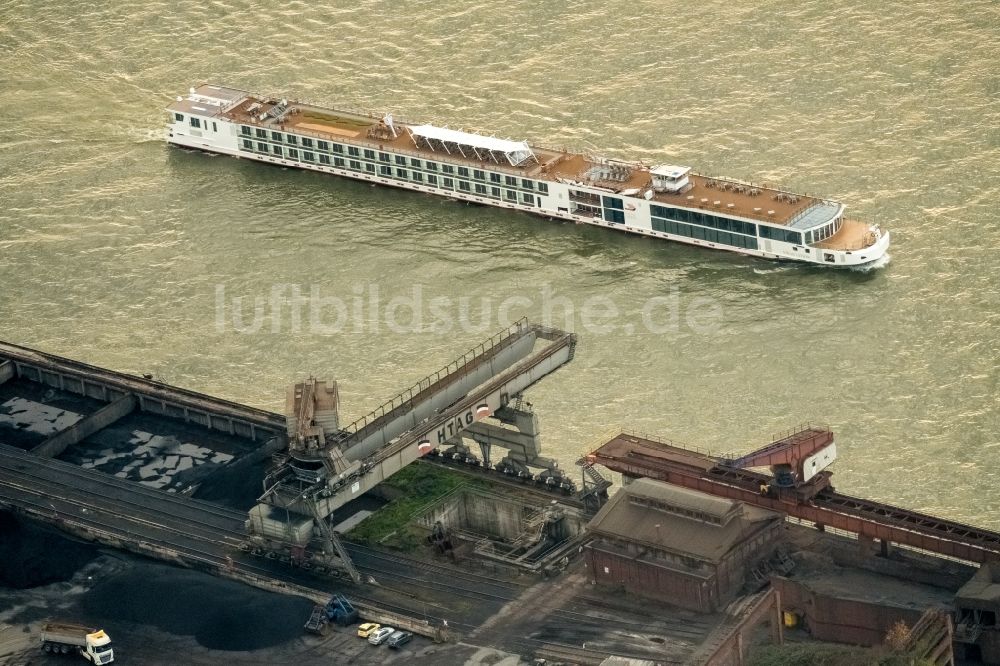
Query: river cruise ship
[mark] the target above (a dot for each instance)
(663, 201)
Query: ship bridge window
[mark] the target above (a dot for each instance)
(179, 117)
(703, 219)
(323, 145)
(246, 131)
(701, 233)
(195, 122)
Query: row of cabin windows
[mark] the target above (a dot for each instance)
(399, 160)
(705, 234)
(387, 171)
(703, 219)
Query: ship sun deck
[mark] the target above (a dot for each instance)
(704, 192)
(734, 198)
(356, 128)
(852, 235)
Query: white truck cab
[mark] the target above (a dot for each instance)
(99, 650)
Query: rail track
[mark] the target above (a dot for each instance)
(486, 586)
(129, 511)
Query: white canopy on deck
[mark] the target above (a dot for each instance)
(468, 144)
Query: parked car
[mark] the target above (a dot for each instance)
(381, 635)
(367, 629)
(399, 639)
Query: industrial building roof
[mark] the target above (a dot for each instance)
(684, 498)
(678, 520)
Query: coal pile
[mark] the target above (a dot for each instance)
(219, 614)
(31, 555)
(235, 486)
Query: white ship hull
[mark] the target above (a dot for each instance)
(220, 135)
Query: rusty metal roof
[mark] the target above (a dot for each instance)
(678, 520)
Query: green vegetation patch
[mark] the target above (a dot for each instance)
(329, 118)
(420, 484)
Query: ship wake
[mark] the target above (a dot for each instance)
(881, 262)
